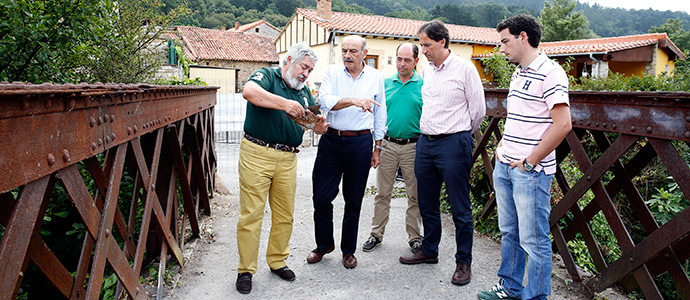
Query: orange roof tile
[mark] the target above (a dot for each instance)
(603, 45)
(202, 43)
(387, 26)
(251, 25)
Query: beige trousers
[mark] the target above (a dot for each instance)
(265, 172)
(392, 157)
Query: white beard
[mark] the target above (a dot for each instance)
(292, 80)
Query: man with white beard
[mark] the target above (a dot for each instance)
(268, 161)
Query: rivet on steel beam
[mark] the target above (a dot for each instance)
(107, 232)
(49, 103)
(687, 134)
(649, 129)
(25, 105)
(65, 155)
(589, 177)
(603, 125)
(129, 130)
(135, 129)
(614, 126)
(100, 120)
(137, 291)
(687, 119)
(631, 260)
(112, 118)
(72, 104)
(51, 159)
(596, 124)
(666, 256)
(113, 136)
(107, 139)
(589, 123)
(632, 128)
(106, 118)
(93, 146)
(100, 142)
(92, 122)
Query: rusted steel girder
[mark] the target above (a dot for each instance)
(47, 129)
(650, 119)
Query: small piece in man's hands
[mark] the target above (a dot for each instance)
(308, 121)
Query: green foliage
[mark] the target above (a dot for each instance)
(678, 81)
(666, 203)
(108, 287)
(499, 68)
(560, 22)
(675, 31)
(47, 41)
(180, 81)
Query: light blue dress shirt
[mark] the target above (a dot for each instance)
(338, 84)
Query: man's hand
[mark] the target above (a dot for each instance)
(293, 108)
(376, 158)
(365, 104)
(321, 125)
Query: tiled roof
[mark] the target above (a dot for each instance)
(251, 25)
(387, 26)
(202, 43)
(604, 45)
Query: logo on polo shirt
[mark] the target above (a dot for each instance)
(526, 86)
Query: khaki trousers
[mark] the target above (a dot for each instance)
(393, 156)
(265, 172)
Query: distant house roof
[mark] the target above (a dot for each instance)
(245, 27)
(605, 45)
(394, 27)
(212, 44)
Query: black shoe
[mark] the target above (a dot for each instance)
(371, 243)
(244, 283)
(285, 273)
(415, 245)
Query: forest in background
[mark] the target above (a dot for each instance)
(604, 21)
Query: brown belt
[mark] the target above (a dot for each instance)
(348, 132)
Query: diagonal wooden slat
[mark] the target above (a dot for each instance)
(17, 236)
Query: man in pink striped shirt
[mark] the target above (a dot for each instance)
(453, 108)
(538, 119)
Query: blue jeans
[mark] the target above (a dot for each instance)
(448, 160)
(523, 203)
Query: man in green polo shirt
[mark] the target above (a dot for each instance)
(404, 107)
(267, 162)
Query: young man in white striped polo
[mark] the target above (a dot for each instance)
(538, 119)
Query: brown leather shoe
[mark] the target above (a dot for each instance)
(418, 258)
(462, 274)
(316, 256)
(349, 261)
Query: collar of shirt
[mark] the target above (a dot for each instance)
(361, 73)
(534, 65)
(415, 77)
(445, 61)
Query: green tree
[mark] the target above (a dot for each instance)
(130, 52)
(675, 31)
(560, 22)
(46, 41)
(453, 14)
(417, 14)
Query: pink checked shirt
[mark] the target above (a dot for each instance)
(453, 97)
(533, 93)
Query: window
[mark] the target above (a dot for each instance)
(373, 61)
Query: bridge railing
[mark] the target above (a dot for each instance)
(82, 139)
(641, 125)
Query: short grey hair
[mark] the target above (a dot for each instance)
(298, 52)
(359, 38)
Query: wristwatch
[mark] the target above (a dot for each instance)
(378, 147)
(528, 167)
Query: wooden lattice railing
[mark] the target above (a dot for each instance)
(644, 124)
(83, 138)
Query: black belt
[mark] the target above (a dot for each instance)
(279, 147)
(348, 132)
(438, 136)
(401, 141)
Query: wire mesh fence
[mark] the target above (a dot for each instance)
(229, 113)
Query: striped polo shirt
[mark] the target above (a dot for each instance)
(534, 91)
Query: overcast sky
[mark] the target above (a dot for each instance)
(674, 5)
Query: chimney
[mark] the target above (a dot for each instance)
(323, 9)
(237, 25)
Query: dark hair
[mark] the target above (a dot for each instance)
(415, 49)
(520, 23)
(436, 31)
